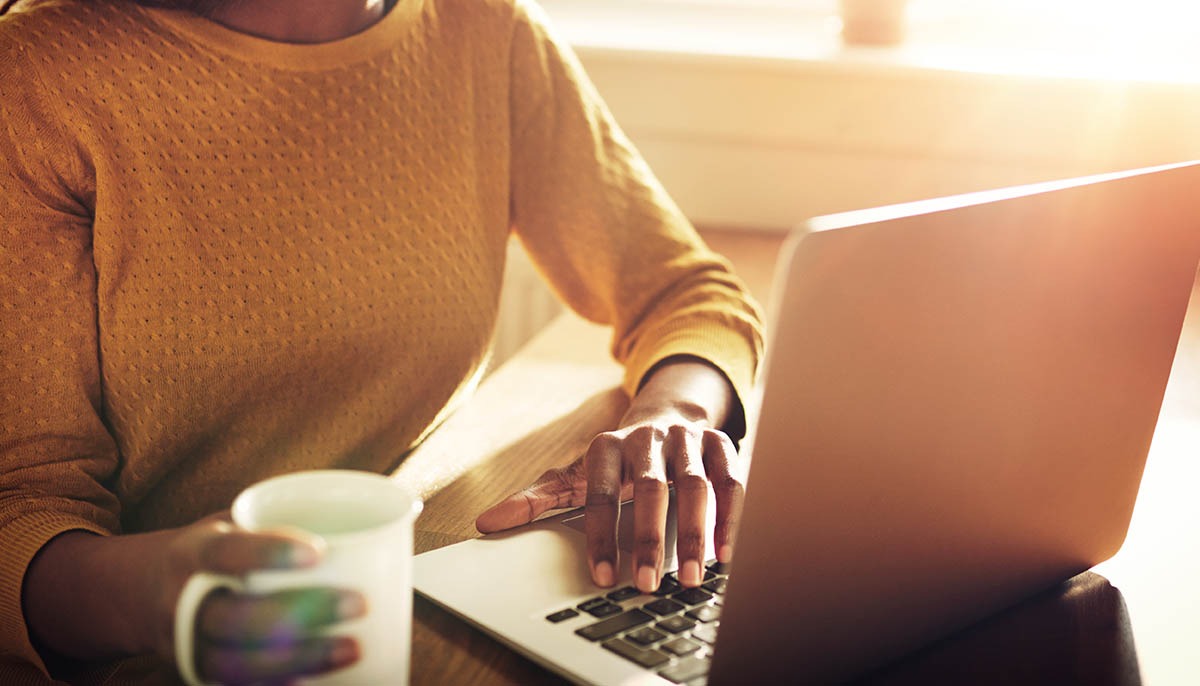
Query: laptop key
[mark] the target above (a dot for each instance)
(685, 670)
(693, 596)
(623, 594)
(718, 567)
(681, 646)
(645, 636)
(605, 610)
(704, 613)
(677, 624)
(664, 606)
(717, 586)
(706, 633)
(587, 605)
(562, 615)
(646, 657)
(667, 586)
(612, 626)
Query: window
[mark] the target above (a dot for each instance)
(753, 113)
(1120, 39)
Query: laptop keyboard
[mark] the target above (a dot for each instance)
(670, 632)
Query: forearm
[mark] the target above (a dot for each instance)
(85, 595)
(684, 387)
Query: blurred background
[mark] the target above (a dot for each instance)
(757, 114)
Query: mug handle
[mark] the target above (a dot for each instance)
(200, 585)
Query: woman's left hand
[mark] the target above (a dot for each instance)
(667, 437)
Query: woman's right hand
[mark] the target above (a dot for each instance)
(243, 638)
(91, 597)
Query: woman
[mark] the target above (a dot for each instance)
(249, 237)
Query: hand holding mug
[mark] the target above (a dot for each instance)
(312, 579)
(243, 637)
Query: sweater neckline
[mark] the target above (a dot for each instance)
(371, 41)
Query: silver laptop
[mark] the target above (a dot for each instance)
(955, 410)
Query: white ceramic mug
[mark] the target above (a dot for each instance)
(366, 521)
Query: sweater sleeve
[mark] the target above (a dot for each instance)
(606, 235)
(55, 453)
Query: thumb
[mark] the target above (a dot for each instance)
(556, 488)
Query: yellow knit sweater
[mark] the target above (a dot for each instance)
(222, 258)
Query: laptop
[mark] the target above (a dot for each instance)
(954, 413)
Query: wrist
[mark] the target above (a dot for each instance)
(673, 411)
(683, 390)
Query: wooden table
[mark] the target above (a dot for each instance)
(1134, 619)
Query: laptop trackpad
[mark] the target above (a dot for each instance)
(625, 535)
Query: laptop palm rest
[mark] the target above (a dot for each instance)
(507, 583)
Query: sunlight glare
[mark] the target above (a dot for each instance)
(1109, 39)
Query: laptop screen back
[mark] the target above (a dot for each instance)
(956, 411)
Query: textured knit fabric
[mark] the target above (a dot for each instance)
(223, 258)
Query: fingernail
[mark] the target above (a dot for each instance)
(647, 580)
(303, 555)
(343, 652)
(350, 605)
(287, 555)
(305, 549)
(603, 574)
(725, 553)
(689, 573)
